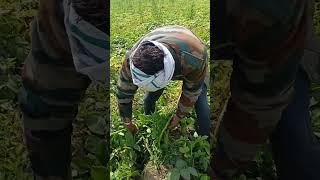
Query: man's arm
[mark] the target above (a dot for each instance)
(191, 89)
(125, 91)
(269, 47)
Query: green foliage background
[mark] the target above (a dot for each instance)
(180, 153)
(14, 46)
(88, 146)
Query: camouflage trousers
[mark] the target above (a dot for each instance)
(268, 50)
(295, 148)
(53, 87)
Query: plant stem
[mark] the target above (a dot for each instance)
(167, 124)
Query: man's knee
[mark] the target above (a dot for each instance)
(45, 110)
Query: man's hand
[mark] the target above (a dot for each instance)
(131, 127)
(174, 122)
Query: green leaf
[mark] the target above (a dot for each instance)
(141, 117)
(166, 137)
(99, 173)
(205, 178)
(184, 149)
(91, 144)
(85, 162)
(137, 147)
(101, 152)
(96, 124)
(121, 133)
(130, 139)
(185, 173)
(193, 171)
(12, 85)
(180, 164)
(174, 174)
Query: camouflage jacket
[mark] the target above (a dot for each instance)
(269, 41)
(69, 45)
(78, 32)
(191, 66)
(225, 46)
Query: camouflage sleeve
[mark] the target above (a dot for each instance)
(267, 58)
(125, 91)
(191, 88)
(269, 39)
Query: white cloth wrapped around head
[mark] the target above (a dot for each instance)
(160, 79)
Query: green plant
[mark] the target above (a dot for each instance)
(182, 170)
(154, 145)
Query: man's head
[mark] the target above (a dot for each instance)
(148, 58)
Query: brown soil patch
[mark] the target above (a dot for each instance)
(151, 172)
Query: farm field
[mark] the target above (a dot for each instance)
(141, 156)
(154, 152)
